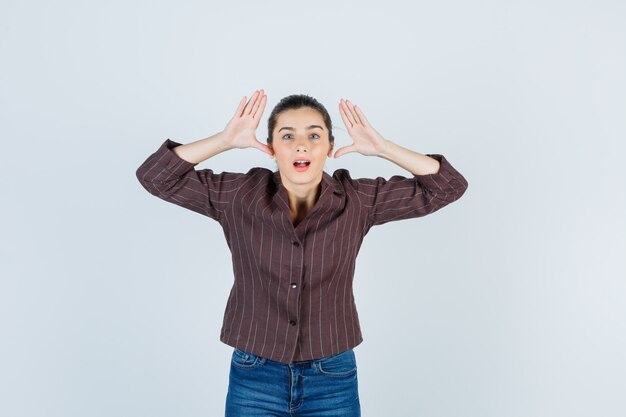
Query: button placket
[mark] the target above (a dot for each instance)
(298, 253)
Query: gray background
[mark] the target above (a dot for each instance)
(509, 302)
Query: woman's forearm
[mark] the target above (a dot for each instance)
(414, 162)
(203, 149)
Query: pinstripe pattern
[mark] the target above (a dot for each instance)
(292, 296)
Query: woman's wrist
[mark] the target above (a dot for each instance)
(414, 162)
(203, 149)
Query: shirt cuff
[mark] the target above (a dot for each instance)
(171, 162)
(447, 179)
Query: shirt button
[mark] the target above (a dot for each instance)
(293, 285)
(296, 244)
(292, 322)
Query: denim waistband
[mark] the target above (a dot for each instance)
(302, 364)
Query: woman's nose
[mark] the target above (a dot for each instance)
(301, 146)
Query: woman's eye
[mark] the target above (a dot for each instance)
(314, 136)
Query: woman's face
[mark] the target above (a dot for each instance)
(301, 135)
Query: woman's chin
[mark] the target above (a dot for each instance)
(302, 176)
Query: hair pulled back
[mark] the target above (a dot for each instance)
(294, 102)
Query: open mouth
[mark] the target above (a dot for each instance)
(301, 164)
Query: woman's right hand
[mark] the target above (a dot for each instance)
(240, 132)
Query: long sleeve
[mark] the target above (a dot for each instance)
(403, 198)
(173, 179)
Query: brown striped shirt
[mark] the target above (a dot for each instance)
(292, 296)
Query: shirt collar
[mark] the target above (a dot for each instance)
(329, 183)
(330, 186)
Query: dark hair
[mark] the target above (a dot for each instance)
(294, 102)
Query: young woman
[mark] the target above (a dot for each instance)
(294, 235)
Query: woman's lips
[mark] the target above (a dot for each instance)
(301, 164)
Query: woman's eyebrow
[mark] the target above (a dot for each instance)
(308, 127)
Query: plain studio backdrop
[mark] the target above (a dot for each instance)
(510, 302)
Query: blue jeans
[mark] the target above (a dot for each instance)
(261, 387)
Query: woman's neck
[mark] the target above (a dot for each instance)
(301, 201)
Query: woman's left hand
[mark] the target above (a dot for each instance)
(367, 141)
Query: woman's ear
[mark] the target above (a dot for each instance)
(332, 144)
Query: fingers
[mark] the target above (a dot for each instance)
(344, 116)
(359, 113)
(348, 109)
(246, 111)
(257, 102)
(253, 104)
(354, 112)
(242, 103)
(260, 108)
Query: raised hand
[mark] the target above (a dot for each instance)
(241, 129)
(367, 141)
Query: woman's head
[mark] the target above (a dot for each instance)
(294, 102)
(300, 135)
